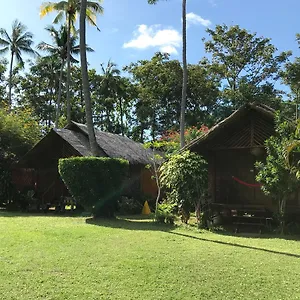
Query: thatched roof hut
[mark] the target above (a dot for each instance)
(231, 148)
(76, 143)
(247, 127)
(42, 160)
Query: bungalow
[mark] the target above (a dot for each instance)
(38, 169)
(231, 148)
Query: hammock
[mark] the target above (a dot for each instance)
(245, 183)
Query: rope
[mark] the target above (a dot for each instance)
(245, 183)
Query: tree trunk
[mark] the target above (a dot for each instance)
(10, 79)
(68, 71)
(59, 93)
(185, 75)
(85, 81)
(121, 116)
(282, 206)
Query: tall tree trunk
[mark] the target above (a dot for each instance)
(121, 116)
(85, 81)
(59, 93)
(10, 78)
(68, 70)
(185, 75)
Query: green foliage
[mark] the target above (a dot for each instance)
(185, 176)
(159, 90)
(96, 183)
(165, 213)
(277, 176)
(248, 63)
(19, 131)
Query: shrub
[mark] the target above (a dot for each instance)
(278, 174)
(165, 213)
(185, 176)
(95, 182)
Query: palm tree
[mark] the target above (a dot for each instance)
(70, 10)
(185, 71)
(59, 49)
(111, 87)
(85, 81)
(19, 41)
(185, 76)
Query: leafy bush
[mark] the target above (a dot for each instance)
(277, 174)
(165, 213)
(95, 182)
(185, 176)
(19, 131)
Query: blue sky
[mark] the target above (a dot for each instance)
(133, 30)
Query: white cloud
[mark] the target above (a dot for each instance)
(154, 36)
(194, 19)
(169, 49)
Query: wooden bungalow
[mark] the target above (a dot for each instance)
(38, 169)
(231, 148)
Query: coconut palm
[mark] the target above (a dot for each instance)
(20, 41)
(85, 81)
(59, 49)
(185, 71)
(110, 88)
(70, 9)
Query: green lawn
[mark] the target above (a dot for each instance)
(46, 257)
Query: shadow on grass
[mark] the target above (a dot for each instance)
(141, 223)
(8, 214)
(235, 245)
(130, 223)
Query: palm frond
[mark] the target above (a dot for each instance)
(18, 29)
(89, 49)
(4, 50)
(59, 17)
(73, 60)
(29, 51)
(25, 38)
(4, 42)
(95, 7)
(5, 36)
(19, 58)
(45, 47)
(46, 8)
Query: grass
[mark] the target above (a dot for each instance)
(48, 257)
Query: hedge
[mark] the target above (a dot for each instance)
(95, 182)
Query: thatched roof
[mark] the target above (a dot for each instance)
(112, 145)
(75, 137)
(217, 131)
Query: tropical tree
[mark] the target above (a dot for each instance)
(85, 80)
(248, 64)
(3, 68)
(70, 10)
(59, 49)
(185, 177)
(185, 71)
(38, 89)
(279, 174)
(20, 41)
(158, 85)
